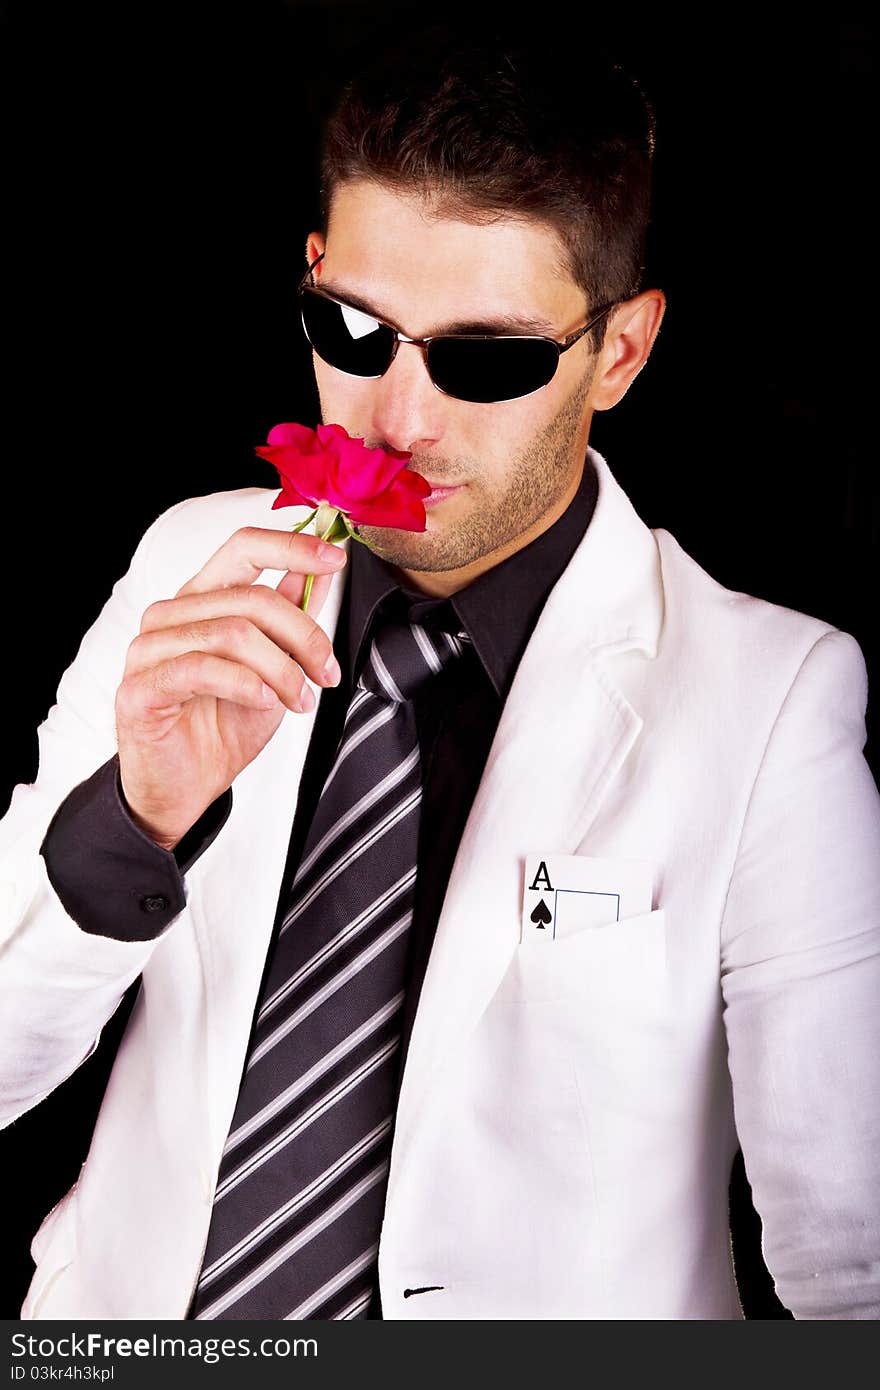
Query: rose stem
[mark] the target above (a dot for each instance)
(310, 578)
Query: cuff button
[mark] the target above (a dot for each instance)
(156, 903)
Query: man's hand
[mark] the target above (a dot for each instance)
(191, 710)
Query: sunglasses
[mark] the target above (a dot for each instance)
(478, 367)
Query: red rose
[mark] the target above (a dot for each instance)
(329, 467)
(344, 482)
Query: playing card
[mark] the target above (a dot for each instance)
(568, 893)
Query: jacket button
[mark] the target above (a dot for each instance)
(156, 903)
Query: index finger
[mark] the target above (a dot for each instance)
(242, 558)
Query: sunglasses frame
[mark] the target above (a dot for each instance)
(424, 343)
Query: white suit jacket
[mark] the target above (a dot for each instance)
(568, 1116)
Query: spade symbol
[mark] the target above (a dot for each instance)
(541, 915)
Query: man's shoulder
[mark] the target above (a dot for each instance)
(715, 626)
(710, 632)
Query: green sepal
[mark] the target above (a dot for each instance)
(339, 530)
(300, 526)
(351, 531)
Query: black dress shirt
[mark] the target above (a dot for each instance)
(113, 880)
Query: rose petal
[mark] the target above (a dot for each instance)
(295, 436)
(327, 433)
(382, 513)
(359, 473)
(290, 489)
(399, 506)
(303, 473)
(368, 473)
(289, 498)
(414, 483)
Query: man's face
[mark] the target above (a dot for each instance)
(515, 465)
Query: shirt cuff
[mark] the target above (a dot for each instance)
(109, 876)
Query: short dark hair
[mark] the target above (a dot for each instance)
(488, 124)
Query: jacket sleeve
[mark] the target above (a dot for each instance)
(59, 983)
(110, 877)
(800, 979)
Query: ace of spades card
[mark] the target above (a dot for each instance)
(567, 893)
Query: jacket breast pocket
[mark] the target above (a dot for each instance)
(601, 1000)
(618, 966)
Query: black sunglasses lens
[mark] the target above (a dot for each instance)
(498, 369)
(345, 338)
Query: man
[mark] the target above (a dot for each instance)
(361, 1078)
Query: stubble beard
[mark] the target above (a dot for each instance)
(540, 475)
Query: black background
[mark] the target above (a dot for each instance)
(161, 180)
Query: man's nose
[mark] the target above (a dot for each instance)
(408, 409)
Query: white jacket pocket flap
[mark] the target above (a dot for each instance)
(613, 965)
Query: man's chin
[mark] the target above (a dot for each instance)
(409, 550)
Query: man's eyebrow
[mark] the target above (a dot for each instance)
(499, 323)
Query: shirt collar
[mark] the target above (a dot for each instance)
(498, 610)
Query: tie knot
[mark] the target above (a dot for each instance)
(405, 656)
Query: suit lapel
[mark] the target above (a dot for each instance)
(565, 732)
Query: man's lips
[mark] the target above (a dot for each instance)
(439, 491)
(439, 488)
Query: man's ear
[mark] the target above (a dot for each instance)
(315, 245)
(628, 342)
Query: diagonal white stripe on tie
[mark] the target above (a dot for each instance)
(329, 1289)
(388, 822)
(302, 1238)
(308, 1078)
(341, 938)
(378, 721)
(387, 784)
(296, 1203)
(315, 1112)
(360, 1304)
(428, 652)
(336, 982)
(391, 687)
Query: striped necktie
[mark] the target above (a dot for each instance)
(301, 1187)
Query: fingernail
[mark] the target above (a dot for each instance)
(307, 699)
(326, 551)
(331, 670)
